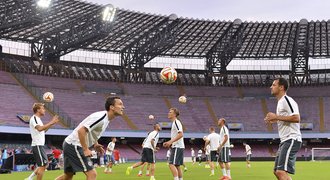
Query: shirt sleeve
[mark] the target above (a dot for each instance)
(92, 123)
(178, 125)
(34, 121)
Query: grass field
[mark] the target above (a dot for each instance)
(259, 170)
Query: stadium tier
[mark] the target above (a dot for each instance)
(79, 98)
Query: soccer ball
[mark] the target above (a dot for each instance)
(48, 97)
(168, 75)
(151, 117)
(182, 99)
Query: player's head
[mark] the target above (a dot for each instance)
(221, 122)
(39, 109)
(280, 85)
(173, 113)
(211, 130)
(157, 127)
(115, 105)
(244, 144)
(113, 139)
(192, 148)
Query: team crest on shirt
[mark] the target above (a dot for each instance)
(90, 163)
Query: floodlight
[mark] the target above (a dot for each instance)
(109, 13)
(44, 3)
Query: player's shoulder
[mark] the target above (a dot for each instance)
(98, 114)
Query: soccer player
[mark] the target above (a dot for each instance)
(224, 158)
(148, 152)
(213, 139)
(287, 118)
(110, 158)
(144, 164)
(75, 147)
(193, 156)
(248, 152)
(37, 130)
(177, 144)
(199, 156)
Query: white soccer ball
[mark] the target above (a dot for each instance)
(48, 97)
(151, 117)
(182, 99)
(168, 75)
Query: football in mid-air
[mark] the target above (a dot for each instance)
(151, 117)
(168, 75)
(48, 97)
(182, 99)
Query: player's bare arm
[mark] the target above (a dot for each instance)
(272, 118)
(82, 132)
(168, 143)
(45, 127)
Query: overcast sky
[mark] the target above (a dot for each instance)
(246, 10)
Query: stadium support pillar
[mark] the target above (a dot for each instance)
(223, 51)
(300, 54)
(149, 45)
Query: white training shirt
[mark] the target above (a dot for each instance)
(38, 137)
(153, 135)
(214, 139)
(248, 149)
(176, 128)
(111, 146)
(286, 106)
(224, 131)
(199, 153)
(207, 150)
(95, 123)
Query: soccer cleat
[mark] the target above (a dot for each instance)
(185, 169)
(147, 174)
(129, 170)
(225, 178)
(152, 178)
(139, 175)
(211, 174)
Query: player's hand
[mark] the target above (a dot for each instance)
(270, 118)
(167, 144)
(99, 148)
(88, 153)
(55, 119)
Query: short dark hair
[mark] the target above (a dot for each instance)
(110, 102)
(283, 82)
(211, 129)
(176, 111)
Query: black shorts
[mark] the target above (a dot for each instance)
(248, 157)
(75, 160)
(40, 155)
(286, 156)
(224, 155)
(214, 156)
(148, 155)
(176, 157)
(207, 157)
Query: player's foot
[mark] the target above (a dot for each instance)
(129, 170)
(152, 178)
(139, 175)
(185, 169)
(225, 178)
(212, 174)
(147, 174)
(27, 179)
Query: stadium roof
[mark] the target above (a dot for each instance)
(67, 19)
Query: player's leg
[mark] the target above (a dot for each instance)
(141, 169)
(91, 174)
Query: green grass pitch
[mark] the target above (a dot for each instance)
(259, 170)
